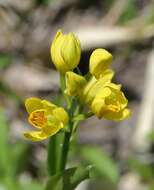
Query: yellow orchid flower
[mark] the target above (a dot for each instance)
(100, 60)
(104, 98)
(46, 117)
(86, 90)
(110, 103)
(94, 85)
(65, 52)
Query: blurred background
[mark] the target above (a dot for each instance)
(123, 152)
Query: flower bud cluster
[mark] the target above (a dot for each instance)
(104, 98)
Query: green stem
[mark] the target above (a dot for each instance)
(67, 135)
(62, 82)
(52, 155)
(63, 87)
(65, 148)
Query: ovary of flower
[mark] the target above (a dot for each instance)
(46, 117)
(65, 51)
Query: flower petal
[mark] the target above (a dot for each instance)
(117, 116)
(48, 106)
(100, 60)
(114, 86)
(35, 135)
(53, 127)
(61, 115)
(74, 83)
(56, 52)
(33, 104)
(98, 107)
(94, 86)
(108, 74)
(71, 50)
(118, 95)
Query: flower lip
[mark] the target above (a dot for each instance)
(38, 118)
(114, 108)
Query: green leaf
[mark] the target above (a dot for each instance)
(8, 183)
(129, 13)
(103, 165)
(69, 179)
(146, 171)
(19, 158)
(4, 157)
(151, 187)
(151, 136)
(80, 174)
(32, 186)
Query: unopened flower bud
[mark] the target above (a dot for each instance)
(65, 52)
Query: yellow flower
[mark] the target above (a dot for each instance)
(77, 85)
(93, 86)
(110, 103)
(100, 60)
(46, 117)
(74, 83)
(104, 98)
(65, 51)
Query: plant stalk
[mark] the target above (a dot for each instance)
(65, 148)
(51, 159)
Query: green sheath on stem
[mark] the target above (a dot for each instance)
(52, 155)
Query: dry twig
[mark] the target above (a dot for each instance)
(146, 115)
(110, 36)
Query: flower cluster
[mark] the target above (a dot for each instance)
(96, 89)
(103, 97)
